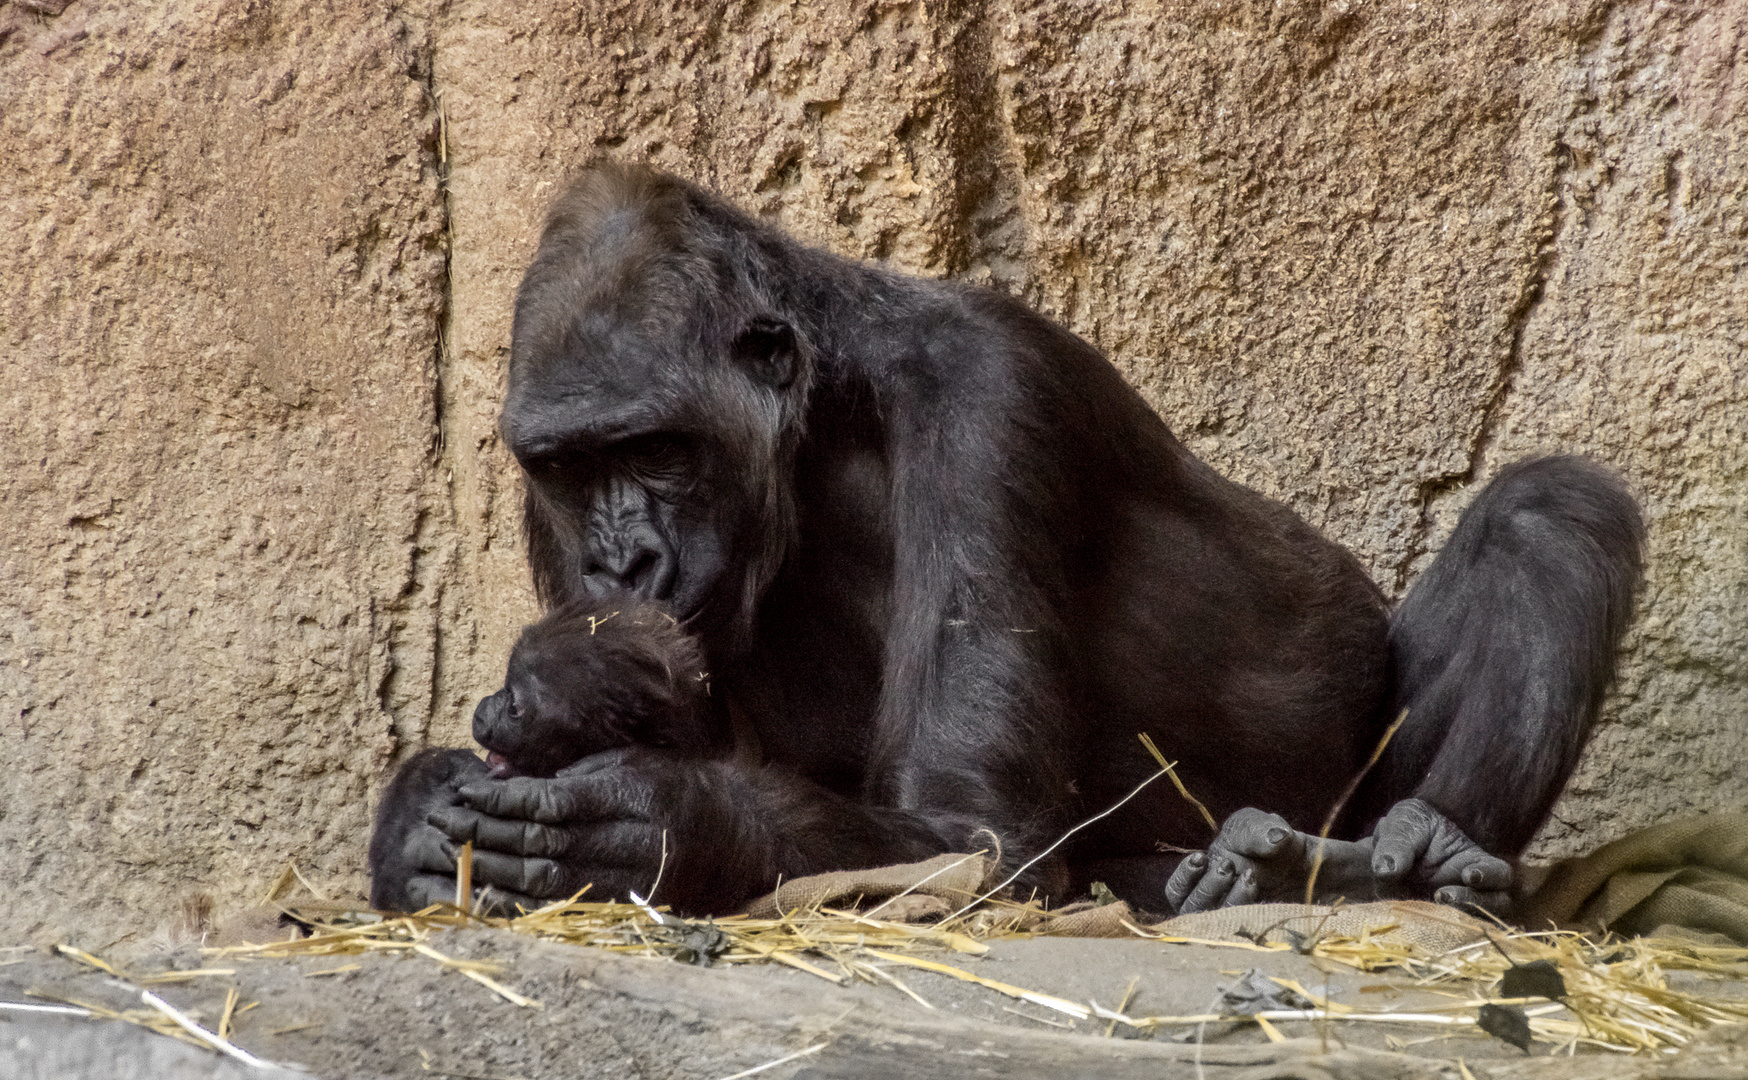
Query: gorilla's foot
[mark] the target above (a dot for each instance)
(1258, 857)
(1418, 852)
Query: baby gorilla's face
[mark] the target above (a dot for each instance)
(530, 729)
(593, 675)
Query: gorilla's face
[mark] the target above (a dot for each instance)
(636, 508)
(655, 454)
(655, 403)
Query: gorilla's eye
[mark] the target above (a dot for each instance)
(515, 707)
(660, 457)
(558, 464)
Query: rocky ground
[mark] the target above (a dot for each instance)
(594, 1012)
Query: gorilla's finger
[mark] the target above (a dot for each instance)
(1185, 878)
(507, 903)
(1476, 901)
(1246, 890)
(604, 794)
(1401, 839)
(1474, 868)
(1488, 873)
(539, 878)
(423, 890)
(426, 889)
(1456, 896)
(527, 798)
(524, 838)
(1216, 884)
(427, 849)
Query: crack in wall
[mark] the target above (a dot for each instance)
(989, 218)
(1432, 492)
(1551, 240)
(412, 708)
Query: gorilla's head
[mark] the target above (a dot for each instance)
(657, 385)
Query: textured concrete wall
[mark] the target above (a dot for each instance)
(261, 537)
(223, 280)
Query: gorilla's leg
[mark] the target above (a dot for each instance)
(1501, 654)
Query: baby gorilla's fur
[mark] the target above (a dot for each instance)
(595, 674)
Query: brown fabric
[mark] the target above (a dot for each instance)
(1088, 920)
(1433, 928)
(1682, 876)
(955, 879)
(939, 886)
(1689, 875)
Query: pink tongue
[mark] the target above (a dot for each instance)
(499, 764)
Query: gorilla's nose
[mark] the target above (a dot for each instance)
(640, 569)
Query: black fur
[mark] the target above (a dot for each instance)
(1501, 651)
(403, 844)
(945, 565)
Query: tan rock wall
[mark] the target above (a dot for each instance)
(261, 537)
(223, 280)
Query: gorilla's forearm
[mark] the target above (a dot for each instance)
(818, 830)
(702, 836)
(735, 834)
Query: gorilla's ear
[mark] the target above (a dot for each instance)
(766, 351)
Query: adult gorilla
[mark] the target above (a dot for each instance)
(945, 565)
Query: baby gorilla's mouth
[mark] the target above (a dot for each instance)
(503, 768)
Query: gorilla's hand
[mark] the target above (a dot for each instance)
(411, 862)
(536, 840)
(1418, 851)
(1257, 857)
(605, 822)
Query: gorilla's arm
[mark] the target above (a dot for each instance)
(964, 750)
(715, 834)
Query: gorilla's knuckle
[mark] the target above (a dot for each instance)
(544, 878)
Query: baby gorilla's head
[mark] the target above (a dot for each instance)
(595, 674)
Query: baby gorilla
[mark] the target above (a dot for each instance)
(595, 674)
